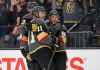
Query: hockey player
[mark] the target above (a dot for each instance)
(58, 34)
(37, 35)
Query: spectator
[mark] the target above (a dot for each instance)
(5, 23)
(19, 9)
(48, 5)
(4, 19)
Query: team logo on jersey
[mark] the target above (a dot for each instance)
(34, 27)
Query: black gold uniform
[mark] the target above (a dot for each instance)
(40, 52)
(58, 34)
(60, 57)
